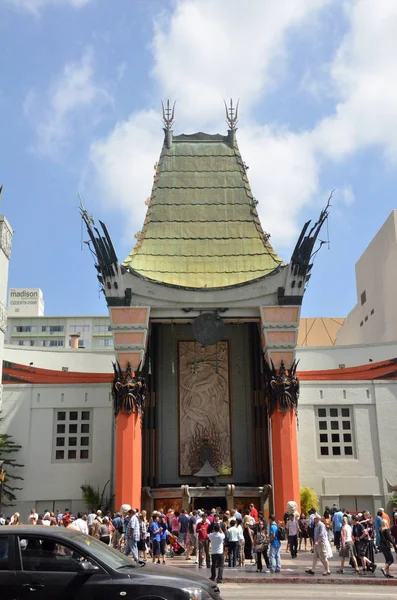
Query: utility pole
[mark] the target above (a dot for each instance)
(2, 475)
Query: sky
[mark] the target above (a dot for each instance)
(81, 84)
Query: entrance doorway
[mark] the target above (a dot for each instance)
(208, 502)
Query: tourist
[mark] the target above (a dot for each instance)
(292, 528)
(90, 520)
(347, 549)
(386, 545)
(94, 531)
(303, 530)
(261, 544)
(248, 536)
(274, 558)
(183, 522)
(368, 523)
(174, 524)
(46, 519)
(320, 539)
(163, 536)
(241, 558)
(337, 521)
(361, 544)
(253, 513)
(118, 530)
(310, 526)
(216, 538)
(203, 541)
(393, 529)
(33, 517)
(104, 533)
(233, 540)
(191, 534)
(155, 535)
(141, 544)
(81, 523)
(132, 535)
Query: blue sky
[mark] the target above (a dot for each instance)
(80, 90)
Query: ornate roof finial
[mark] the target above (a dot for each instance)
(232, 114)
(168, 114)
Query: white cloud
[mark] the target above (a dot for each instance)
(364, 79)
(202, 53)
(207, 50)
(35, 6)
(124, 164)
(72, 95)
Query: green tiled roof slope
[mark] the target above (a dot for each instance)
(202, 228)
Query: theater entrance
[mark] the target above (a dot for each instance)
(208, 502)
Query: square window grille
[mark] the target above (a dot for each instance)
(72, 436)
(338, 441)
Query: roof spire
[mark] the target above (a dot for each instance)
(168, 114)
(232, 114)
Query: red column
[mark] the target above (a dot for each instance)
(128, 460)
(285, 461)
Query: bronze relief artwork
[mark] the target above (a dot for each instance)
(204, 408)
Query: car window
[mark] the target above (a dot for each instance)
(46, 554)
(4, 554)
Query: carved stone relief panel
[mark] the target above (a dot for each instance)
(204, 408)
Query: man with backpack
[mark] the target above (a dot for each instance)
(274, 555)
(118, 525)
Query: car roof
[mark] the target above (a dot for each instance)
(39, 529)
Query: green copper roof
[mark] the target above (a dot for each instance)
(202, 228)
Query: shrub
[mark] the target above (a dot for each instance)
(309, 499)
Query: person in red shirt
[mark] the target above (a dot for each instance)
(203, 541)
(254, 513)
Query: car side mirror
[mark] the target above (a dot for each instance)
(87, 568)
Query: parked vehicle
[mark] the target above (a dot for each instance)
(48, 563)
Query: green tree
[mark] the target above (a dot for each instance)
(95, 499)
(309, 499)
(8, 449)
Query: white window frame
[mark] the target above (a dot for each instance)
(331, 434)
(78, 435)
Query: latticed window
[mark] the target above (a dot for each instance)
(72, 435)
(335, 432)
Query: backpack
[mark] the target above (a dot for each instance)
(280, 533)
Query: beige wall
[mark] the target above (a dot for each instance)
(319, 331)
(375, 320)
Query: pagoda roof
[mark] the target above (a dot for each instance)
(202, 229)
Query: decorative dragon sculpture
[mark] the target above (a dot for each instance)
(282, 386)
(128, 391)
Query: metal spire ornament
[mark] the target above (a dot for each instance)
(232, 114)
(168, 114)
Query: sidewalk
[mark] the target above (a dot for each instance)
(293, 571)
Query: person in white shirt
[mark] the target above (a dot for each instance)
(233, 538)
(216, 538)
(292, 528)
(90, 519)
(32, 518)
(347, 546)
(81, 523)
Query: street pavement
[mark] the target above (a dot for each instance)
(293, 571)
(235, 591)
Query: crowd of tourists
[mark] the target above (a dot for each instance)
(217, 538)
(357, 538)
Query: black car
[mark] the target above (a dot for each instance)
(53, 563)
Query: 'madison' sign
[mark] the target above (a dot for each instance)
(23, 294)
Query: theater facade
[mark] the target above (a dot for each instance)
(204, 317)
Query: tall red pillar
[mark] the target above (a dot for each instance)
(285, 461)
(128, 460)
